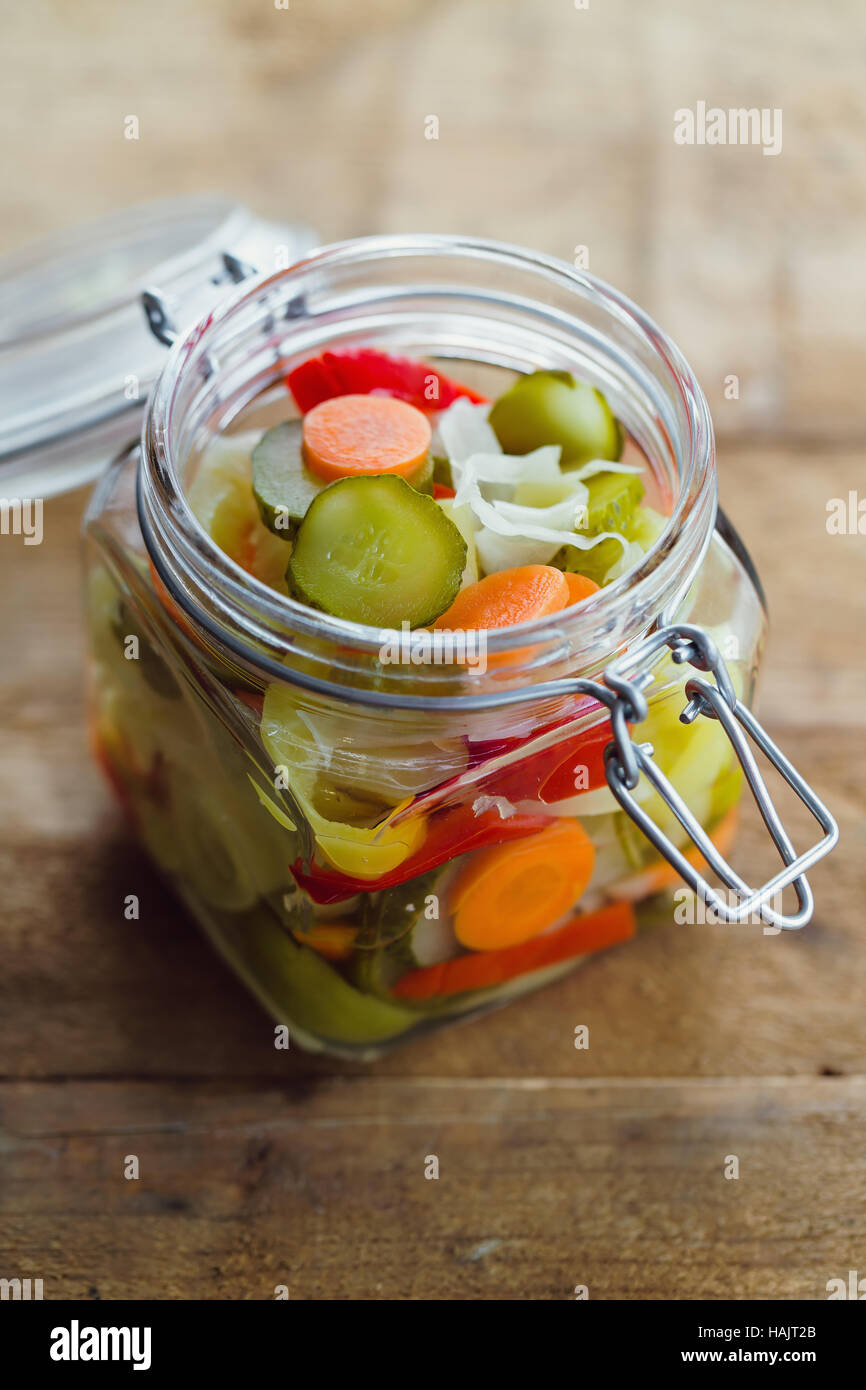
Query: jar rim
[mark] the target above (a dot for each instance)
(183, 551)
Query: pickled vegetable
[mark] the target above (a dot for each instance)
(303, 990)
(553, 408)
(363, 847)
(283, 485)
(222, 500)
(351, 436)
(581, 935)
(613, 505)
(509, 893)
(375, 551)
(612, 501)
(508, 597)
(360, 370)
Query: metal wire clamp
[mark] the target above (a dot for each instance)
(626, 760)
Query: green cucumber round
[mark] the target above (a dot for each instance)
(283, 485)
(376, 551)
(612, 501)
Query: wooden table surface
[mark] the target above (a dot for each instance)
(558, 1167)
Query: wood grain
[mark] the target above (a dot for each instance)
(558, 1166)
(542, 1185)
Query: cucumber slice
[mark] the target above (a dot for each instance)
(284, 487)
(612, 502)
(375, 551)
(303, 990)
(152, 664)
(646, 527)
(396, 936)
(282, 484)
(554, 408)
(423, 478)
(390, 915)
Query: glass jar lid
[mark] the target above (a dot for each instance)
(77, 357)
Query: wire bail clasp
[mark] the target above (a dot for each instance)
(625, 760)
(158, 312)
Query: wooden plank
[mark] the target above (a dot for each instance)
(543, 1185)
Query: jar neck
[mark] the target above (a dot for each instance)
(424, 296)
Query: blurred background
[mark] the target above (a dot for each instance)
(555, 129)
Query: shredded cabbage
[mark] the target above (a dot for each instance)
(508, 533)
(520, 523)
(503, 472)
(463, 430)
(497, 553)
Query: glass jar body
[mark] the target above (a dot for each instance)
(340, 821)
(239, 791)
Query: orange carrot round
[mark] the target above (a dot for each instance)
(348, 436)
(333, 940)
(508, 893)
(508, 597)
(587, 932)
(580, 586)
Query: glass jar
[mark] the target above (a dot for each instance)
(314, 788)
(71, 316)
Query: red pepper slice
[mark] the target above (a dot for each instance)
(441, 490)
(451, 831)
(549, 774)
(360, 371)
(584, 750)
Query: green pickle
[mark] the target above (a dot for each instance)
(154, 668)
(303, 990)
(643, 527)
(553, 408)
(283, 486)
(612, 502)
(376, 551)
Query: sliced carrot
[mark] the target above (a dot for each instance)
(508, 893)
(507, 597)
(580, 586)
(348, 436)
(588, 932)
(333, 940)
